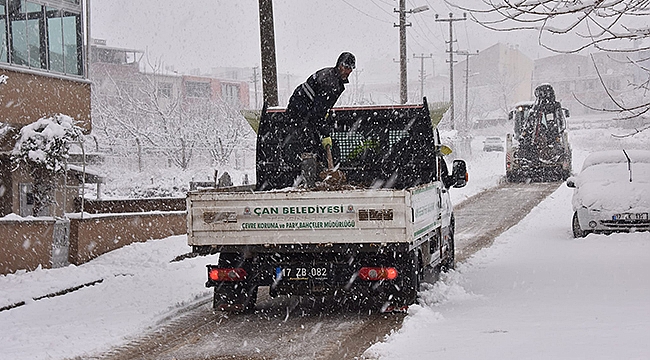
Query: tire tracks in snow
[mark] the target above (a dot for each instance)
(302, 328)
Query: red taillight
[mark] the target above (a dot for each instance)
(227, 274)
(377, 273)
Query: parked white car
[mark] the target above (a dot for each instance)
(612, 193)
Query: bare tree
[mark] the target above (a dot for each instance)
(221, 127)
(166, 122)
(570, 26)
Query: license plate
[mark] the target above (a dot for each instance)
(302, 272)
(630, 216)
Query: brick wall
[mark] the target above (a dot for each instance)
(97, 235)
(25, 244)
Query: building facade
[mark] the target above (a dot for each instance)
(580, 80)
(42, 73)
(499, 76)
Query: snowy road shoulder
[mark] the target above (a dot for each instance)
(140, 288)
(537, 293)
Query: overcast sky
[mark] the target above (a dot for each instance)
(309, 35)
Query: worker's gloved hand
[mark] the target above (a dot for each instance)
(327, 142)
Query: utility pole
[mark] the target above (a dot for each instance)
(254, 79)
(288, 86)
(267, 44)
(467, 55)
(451, 20)
(403, 87)
(422, 57)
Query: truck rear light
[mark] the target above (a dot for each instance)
(377, 273)
(227, 274)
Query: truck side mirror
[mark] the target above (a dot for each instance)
(571, 182)
(459, 174)
(566, 112)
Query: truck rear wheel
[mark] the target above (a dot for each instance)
(239, 296)
(449, 263)
(411, 282)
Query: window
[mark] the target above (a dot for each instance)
(230, 93)
(55, 29)
(42, 37)
(4, 57)
(25, 25)
(197, 89)
(164, 90)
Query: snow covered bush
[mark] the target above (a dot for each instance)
(42, 147)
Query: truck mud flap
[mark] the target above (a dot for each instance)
(237, 297)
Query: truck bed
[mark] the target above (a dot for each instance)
(311, 217)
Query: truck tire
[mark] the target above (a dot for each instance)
(449, 263)
(235, 296)
(513, 177)
(238, 297)
(411, 282)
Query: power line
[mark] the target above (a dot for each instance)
(387, 3)
(364, 13)
(382, 9)
(424, 35)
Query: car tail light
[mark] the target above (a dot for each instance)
(227, 274)
(377, 273)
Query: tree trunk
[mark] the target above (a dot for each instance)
(43, 190)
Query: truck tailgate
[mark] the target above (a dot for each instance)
(299, 217)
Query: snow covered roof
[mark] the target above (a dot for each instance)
(616, 156)
(524, 103)
(607, 183)
(92, 177)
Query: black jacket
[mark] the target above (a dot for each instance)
(311, 100)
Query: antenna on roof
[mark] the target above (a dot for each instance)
(629, 164)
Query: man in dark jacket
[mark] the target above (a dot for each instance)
(310, 102)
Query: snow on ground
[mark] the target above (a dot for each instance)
(537, 293)
(485, 169)
(140, 288)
